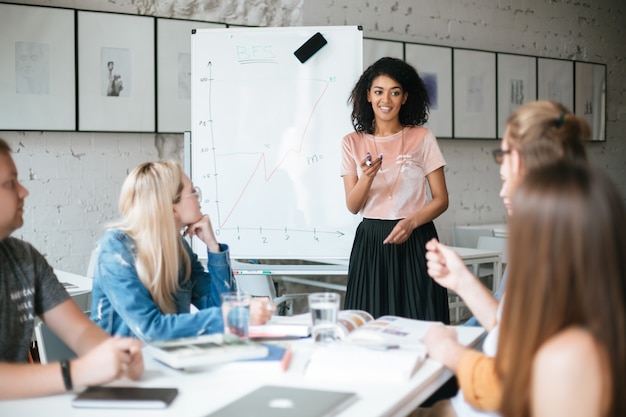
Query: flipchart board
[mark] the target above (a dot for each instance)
(269, 109)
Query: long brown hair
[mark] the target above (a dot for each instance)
(568, 236)
(545, 131)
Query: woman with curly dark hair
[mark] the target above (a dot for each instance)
(388, 163)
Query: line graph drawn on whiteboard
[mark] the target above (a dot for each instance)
(267, 142)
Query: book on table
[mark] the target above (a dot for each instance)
(278, 359)
(282, 327)
(389, 348)
(300, 325)
(204, 350)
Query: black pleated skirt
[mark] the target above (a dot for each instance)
(393, 279)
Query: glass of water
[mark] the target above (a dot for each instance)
(324, 308)
(236, 313)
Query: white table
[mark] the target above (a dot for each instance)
(293, 273)
(472, 257)
(78, 287)
(499, 229)
(208, 389)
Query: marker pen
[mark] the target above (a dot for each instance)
(369, 159)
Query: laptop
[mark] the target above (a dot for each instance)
(277, 401)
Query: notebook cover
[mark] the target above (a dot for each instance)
(125, 397)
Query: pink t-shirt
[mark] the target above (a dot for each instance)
(399, 188)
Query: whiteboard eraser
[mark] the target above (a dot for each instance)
(310, 47)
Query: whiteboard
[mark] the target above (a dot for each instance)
(266, 138)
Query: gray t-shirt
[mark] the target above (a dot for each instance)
(28, 288)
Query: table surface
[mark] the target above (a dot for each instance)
(499, 229)
(467, 254)
(74, 284)
(204, 390)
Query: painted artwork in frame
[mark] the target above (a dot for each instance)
(434, 66)
(517, 84)
(174, 73)
(555, 81)
(37, 91)
(590, 97)
(116, 87)
(474, 94)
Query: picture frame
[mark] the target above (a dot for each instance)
(590, 97)
(555, 81)
(434, 66)
(38, 90)
(474, 75)
(174, 73)
(374, 49)
(517, 84)
(116, 72)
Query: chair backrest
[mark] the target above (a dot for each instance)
(468, 237)
(256, 285)
(91, 267)
(494, 243)
(49, 346)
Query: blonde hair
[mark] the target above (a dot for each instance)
(545, 131)
(146, 201)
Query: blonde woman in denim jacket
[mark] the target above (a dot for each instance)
(147, 277)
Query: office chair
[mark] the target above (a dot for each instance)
(264, 286)
(49, 346)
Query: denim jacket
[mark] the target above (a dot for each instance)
(122, 305)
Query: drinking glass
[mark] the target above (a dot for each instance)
(236, 313)
(324, 308)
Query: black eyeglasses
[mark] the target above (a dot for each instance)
(498, 155)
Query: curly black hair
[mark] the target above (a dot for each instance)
(413, 112)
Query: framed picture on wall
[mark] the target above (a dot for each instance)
(174, 73)
(37, 89)
(517, 84)
(374, 49)
(116, 72)
(474, 94)
(434, 65)
(555, 81)
(590, 97)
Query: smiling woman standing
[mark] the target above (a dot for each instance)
(388, 163)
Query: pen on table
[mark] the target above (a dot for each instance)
(382, 347)
(246, 271)
(369, 159)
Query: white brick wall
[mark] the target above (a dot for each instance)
(74, 178)
(589, 30)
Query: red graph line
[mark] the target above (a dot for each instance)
(262, 160)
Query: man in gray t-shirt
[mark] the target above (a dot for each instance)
(29, 289)
(26, 278)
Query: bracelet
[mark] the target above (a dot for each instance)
(67, 377)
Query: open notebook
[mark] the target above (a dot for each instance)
(277, 401)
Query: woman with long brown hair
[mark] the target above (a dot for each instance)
(537, 134)
(562, 345)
